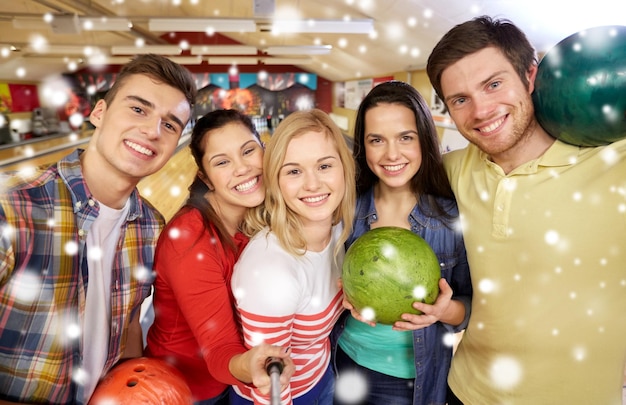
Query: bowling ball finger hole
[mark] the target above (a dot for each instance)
(132, 382)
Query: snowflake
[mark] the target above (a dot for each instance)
(506, 372)
(351, 387)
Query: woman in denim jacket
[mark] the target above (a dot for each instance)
(401, 182)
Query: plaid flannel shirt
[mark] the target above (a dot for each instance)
(44, 278)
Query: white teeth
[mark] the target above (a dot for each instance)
(315, 199)
(247, 185)
(394, 168)
(492, 127)
(136, 147)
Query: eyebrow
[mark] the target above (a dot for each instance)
(482, 84)
(247, 143)
(151, 105)
(408, 131)
(318, 161)
(241, 148)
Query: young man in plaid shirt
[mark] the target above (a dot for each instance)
(77, 242)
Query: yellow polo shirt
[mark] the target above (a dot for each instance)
(546, 245)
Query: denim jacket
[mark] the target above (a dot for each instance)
(432, 355)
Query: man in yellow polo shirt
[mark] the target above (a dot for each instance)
(545, 230)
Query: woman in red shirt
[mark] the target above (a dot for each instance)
(195, 327)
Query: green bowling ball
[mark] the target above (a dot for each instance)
(580, 89)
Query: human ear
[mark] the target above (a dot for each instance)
(97, 113)
(531, 75)
(206, 180)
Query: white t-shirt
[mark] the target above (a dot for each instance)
(102, 240)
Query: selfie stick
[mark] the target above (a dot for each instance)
(274, 366)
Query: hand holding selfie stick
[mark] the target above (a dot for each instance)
(274, 366)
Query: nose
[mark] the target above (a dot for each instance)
(152, 128)
(483, 106)
(311, 181)
(392, 151)
(241, 167)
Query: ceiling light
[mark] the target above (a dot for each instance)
(103, 60)
(29, 23)
(319, 26)
(66, 50)
(45, 60)
(72, 24)
(223, 50)
(234, 60)
(156, 49)
(186, 60)
(287, 61)
(201, 25)
(299, 50)
(105, 24)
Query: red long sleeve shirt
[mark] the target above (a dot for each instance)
(195, 326)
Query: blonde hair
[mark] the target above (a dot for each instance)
(275, 213)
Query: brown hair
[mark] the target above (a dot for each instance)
(160, 69)
(475, 35)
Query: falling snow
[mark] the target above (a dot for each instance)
(80, 376)
(256, 338)
(368, 314)
(419, 292)
(506, 372)
(351, 387)
(486, 286)
(142, 273)
(71, 248)
(174, 233)
(449, 339)
(25, 286)
(95, 253)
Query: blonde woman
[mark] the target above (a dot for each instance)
(285, 282)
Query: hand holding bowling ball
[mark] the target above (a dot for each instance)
(580, 89)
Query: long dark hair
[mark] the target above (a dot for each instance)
(430, 180)
(198, 188)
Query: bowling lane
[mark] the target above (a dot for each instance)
(41, 160)
(40, 151)
(165, 189)
(10, 153)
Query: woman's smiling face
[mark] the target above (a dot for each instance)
(233, 163)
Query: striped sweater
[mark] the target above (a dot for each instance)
(291, 301)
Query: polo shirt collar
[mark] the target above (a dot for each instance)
(558, 154)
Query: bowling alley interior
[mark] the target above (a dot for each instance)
(267, 58)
